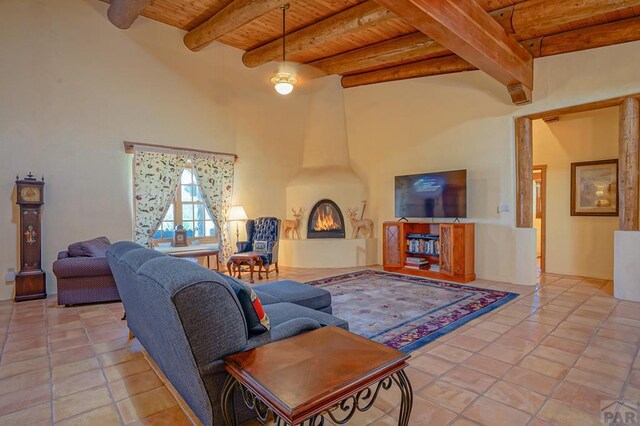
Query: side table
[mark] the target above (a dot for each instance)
(237, 260)
(325, 373)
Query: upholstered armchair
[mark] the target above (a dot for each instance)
(263, 234)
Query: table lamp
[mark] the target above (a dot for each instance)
(237, 214)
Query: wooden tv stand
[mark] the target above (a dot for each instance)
(448, 247)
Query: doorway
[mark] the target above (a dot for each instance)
(539, 214)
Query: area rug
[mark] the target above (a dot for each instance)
(406, 312)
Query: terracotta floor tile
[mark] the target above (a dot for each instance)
(38, 415)
(19, 367)
(466, 378)
(418, 378)
(544, 366)
(431, 365)
(620, 335)
(22, 355)
(502, 353)
(17, 400)
(134, 384)
(113, 345)
(175, 417)
(467, 342)
(24, 381)
(120, 356)
(559, 413)
(609, 356)
(581, 397)
(76, 367)
(427, 413)
(516, 396)
(463, 421)
(482, 334)
(119, 371)
(505, 320)
(608, 369)
(80, 402)
(487, 411)
(448, 395)
(553, 354)
(531, 380)
(145, 404)
(564, 345)
(79, 382)
(23, 345)
(104, 416)
(487, 365)
(66, 334)
(494, 326)
(64, 345)
(450, 353)
(71, 355)
(595, 381)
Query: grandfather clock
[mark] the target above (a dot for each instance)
(30, 281)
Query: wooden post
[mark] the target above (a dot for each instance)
(524, 173)
(628, 164)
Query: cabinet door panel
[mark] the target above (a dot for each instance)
(392, 245)
(446, 249)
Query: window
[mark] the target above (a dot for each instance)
(188, 209)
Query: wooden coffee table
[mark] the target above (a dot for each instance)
(239, 259)
(326, 373)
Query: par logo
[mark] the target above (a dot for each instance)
(620, 413)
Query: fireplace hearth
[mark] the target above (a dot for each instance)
(325, 221)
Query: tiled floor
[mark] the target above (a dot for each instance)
(549, 357)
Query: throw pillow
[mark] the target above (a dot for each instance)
(261, 246)
(257, 318)
(96, 247)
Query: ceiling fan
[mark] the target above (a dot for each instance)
(287, 76)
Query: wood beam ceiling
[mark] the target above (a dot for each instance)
(123, 13)
(468, 31)
(586, 38)
(232, 17)
(364, 15)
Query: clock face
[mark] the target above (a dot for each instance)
(30, 194)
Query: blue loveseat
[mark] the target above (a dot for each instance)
(189, 318)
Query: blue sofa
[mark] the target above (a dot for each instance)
(189, 318)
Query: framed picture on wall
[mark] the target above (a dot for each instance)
(594, 188)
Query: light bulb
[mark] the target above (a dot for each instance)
(284, 82)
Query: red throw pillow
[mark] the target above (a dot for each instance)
(262, 315)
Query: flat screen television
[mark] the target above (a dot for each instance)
(441, 195)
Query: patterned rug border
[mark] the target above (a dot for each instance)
(425, 340)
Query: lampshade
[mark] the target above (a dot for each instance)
(237, 213)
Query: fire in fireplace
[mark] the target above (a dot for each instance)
(325, 221)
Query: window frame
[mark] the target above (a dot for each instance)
(177, 204)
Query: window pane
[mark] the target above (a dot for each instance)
(207, 216)
(187, 192)
(187, 212)
(186, 178)
(158, 234)
(167, 229)
(197, 196)
(189, 227)
(199, 211)
(169, 215)
(199, 229)
(209, 228)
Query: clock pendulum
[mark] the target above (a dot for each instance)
(30, 281)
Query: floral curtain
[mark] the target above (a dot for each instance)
(155, 180)
(215, 176)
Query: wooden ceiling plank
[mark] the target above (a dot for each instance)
(367, 14)
(582, 39)
(232, 17)
(123, 13)
(470, 32)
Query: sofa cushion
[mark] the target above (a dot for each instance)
(266, 298)
(257, 319)
(96, 247)
(283, 312)
(298, 293)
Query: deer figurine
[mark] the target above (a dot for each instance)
(358, 224)
(292, 227)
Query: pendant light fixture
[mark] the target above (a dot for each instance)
(283, 80)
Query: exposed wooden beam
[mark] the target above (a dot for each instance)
(233, 16)
(532, 18)
(122, 13)
(357, 18)
(418, 46)
(524, 173)
(446, 65)
(471, 33)
(570, 41)
(628, 184)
